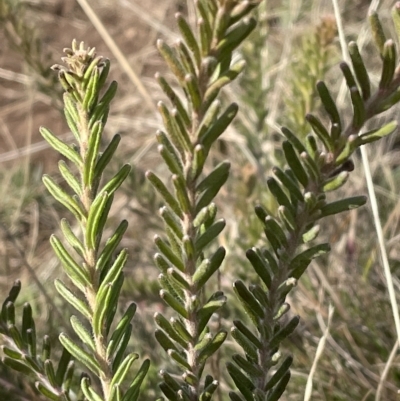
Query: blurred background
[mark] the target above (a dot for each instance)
(294, 46)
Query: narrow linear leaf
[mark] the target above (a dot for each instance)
(79, 354)
(70, 297)
(61, 147)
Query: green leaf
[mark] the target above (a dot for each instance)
(27, 322)
(89, 170)
(251, 369)
(123, 369)
(164, 340)
(236, 35)
(275, 234)
(176, 145)
(294, 140)
(103, 305)
(348, 75)
(61, 147)
(16, 365)
(71, 237)
(342, 205)
(212, 186)
(68, 376)
(359, 111)
(113, 273)
(243, 329)
(180, 329)
(96, 211)
(70, 179)
(209, 118)
(171, 160)
(320, 131)
(169, 253)
(168, 392)
(175, 304)
(181, 192)
(107, 155)
(208, 391)
(311, 234)
(92, 91)
(11, 353)
(111, 246)
(279, 194)
(215, 87)
(199, 158)
(47, 392)
(82, 332)
(89, 393)
(336, 182)
(277, 392)
(121, 329)
(172, 287)
(294, 163)
(244, 385)
(219, 126)
(249, 348)
(165, 194)
(133, 392)
(329, 105)
(176, 277)
(216, 178)
(179, 359)
(172, 222)
(71, 114)
(287, 218)
(260, 266)
(291, 185)
(377, 32)
(205, 27)
(82, 356)
(164, 324)
(116, 181)
(100, 112)
(188, 36)
(122, 348)
(70, 297)
(172, 61)
(215, 302)
(239, 11)
(249, 302)
(360, 71)
(278, 375)
(50, 373)
(63, 369)
(193, 89)
(208, 267)
(75, 272)
(213, 346)
(209, 235)
(61, 196)
(234, 397)
(284, 332)
(376, 134)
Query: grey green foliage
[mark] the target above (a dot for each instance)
(188, 256)
(92, 265)
(202, 65)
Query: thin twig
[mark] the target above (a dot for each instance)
(385, 372)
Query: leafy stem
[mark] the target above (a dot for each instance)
(319, 164)
(202, 66)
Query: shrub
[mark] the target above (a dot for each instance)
(190, 332)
